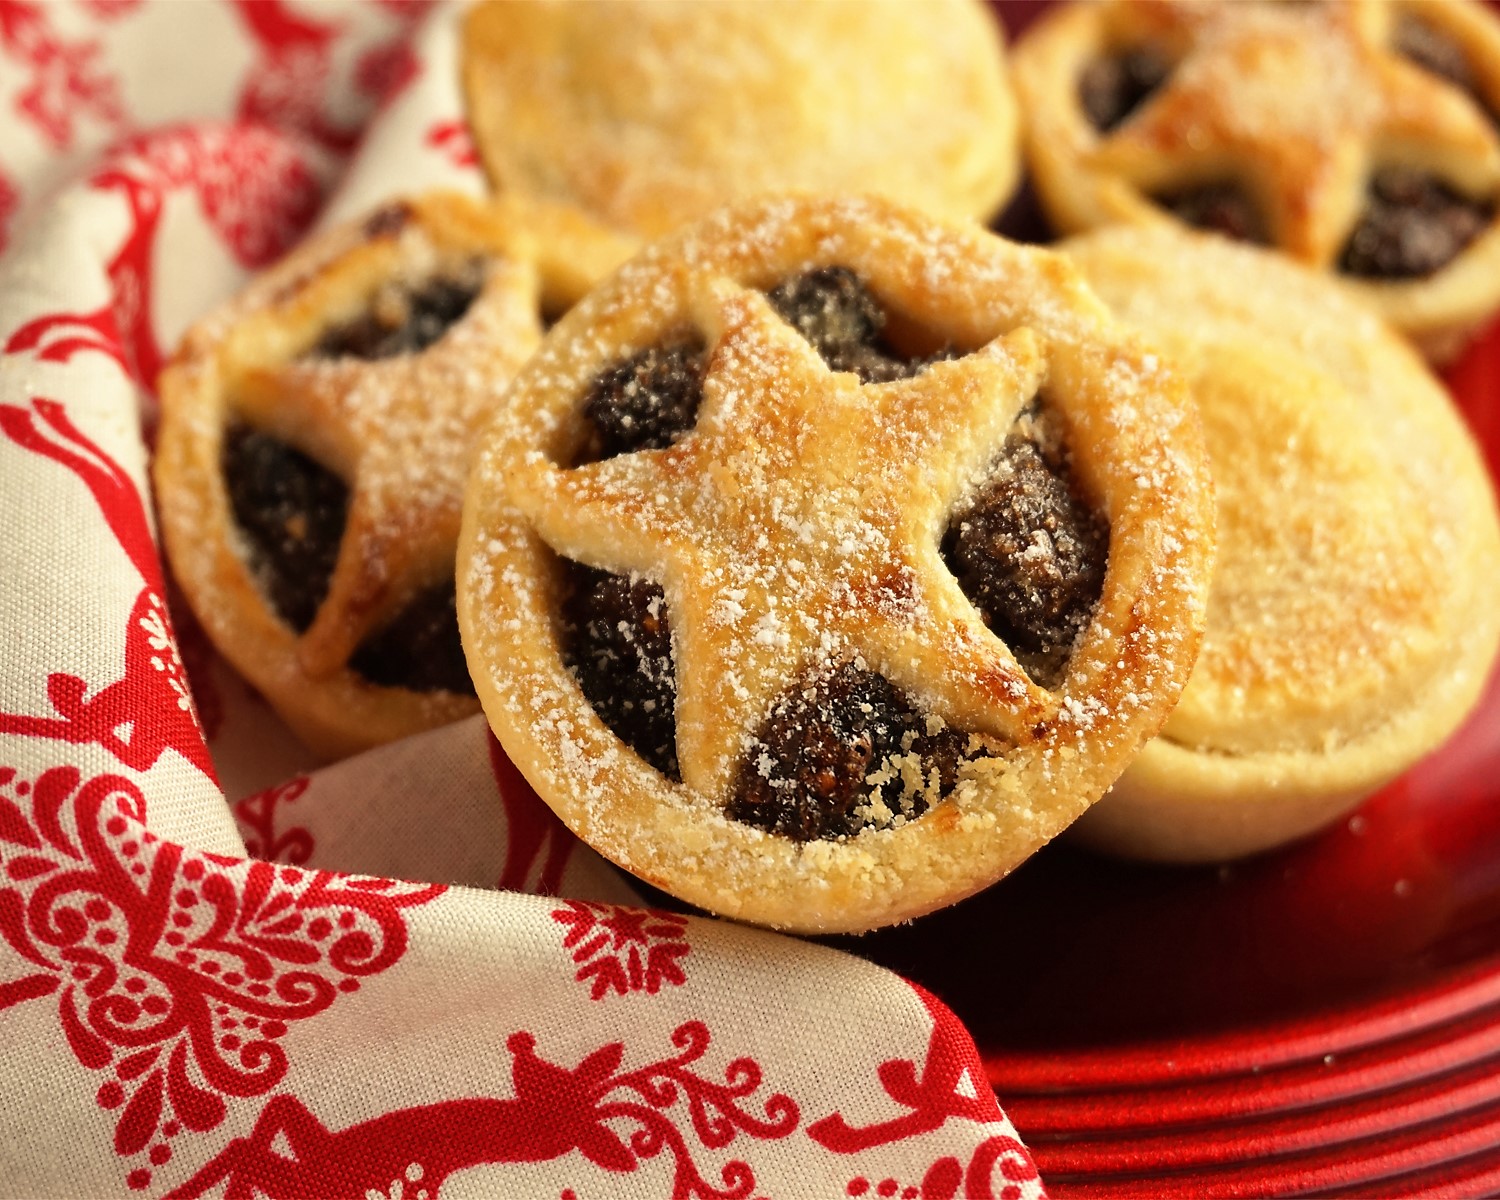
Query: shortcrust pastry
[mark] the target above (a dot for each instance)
(314, 441)
(1352, 621)
(1360, 137)
(828, 560)
(646, 115)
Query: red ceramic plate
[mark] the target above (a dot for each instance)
(1320, 1020)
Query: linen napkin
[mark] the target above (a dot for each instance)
(226, 970)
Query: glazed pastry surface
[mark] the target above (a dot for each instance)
(646, 115)
(1352, 620)
(315, 437)
(909, 559)
(1360, 137)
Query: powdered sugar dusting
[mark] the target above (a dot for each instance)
(796, 526)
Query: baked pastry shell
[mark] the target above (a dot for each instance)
(1136, 452)
(648, 115)
(1439, 312)
(1402, 626)
(550, 254)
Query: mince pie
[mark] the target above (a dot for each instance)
(648, 114)
(314, 441)
(1352, 620)
(829, 559)
(1360, 137)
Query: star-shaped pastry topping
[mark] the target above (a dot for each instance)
(398, 430)
(798, 524)
(1299, 104)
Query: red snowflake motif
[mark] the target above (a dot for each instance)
(67, 81)
(258, 188)
(554, 1112)
(410, 11)
(287, 87)
(624, 949)
(256, 816)
(177, 972)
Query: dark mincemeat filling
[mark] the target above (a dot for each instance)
(616, 636)
(646, 402)
(834, 753)
(1111, 89)
(402, 320)
(420, 649)
(1412, 225)
(1031, 558)
(618, 644)
(1222, 208)
(291, 511)
(1025, 550)
(835, 311)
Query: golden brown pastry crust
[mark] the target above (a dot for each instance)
(1352, 620)
(1296, 103)
(398, 431)
(647, 115)
(798, 524)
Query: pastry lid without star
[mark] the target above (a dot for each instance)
(1352, 619)
(648, 115)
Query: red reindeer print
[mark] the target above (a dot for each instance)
(624, 949)
(951, 1084)
(256, 190)
(67, 81)
(256, 816)
(150, 710)
(176, 972)
(554, 1112)
(537, 845)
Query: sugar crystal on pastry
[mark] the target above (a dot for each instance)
(316, 435)
(646, 115)
(855, 744)
(1356, 136)
(1351, 621)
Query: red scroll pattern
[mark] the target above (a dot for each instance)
(175, 971)
(256, 817)
(554, 1112)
